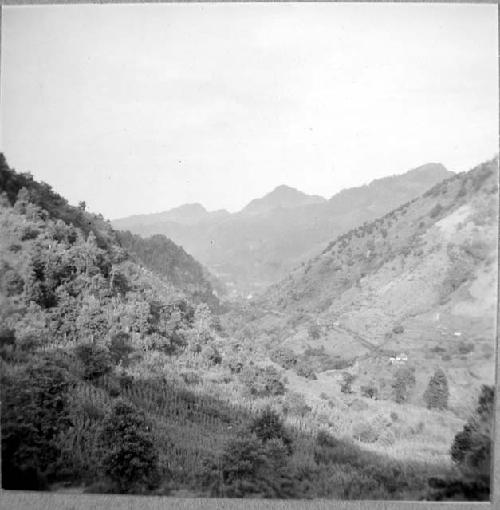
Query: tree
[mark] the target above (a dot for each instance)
(96, 360)
(471, 453)
(120, 348)
(369, 391)
(437, 392)
(346, 384)
(268, 425)
(471, 448)
(250, 468)
(402, 384)
(129, 459)
(35, 411)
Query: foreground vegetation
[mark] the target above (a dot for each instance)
(117, 377)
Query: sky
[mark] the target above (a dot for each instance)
(141, 108)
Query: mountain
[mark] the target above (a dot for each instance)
(254, 248)
(113, 380)
(187, 214)
(420, 280)
(281, 197)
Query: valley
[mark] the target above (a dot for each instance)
(349, 373)
(255, 247)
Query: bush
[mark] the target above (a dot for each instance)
(212, 355)
(129, 458)
(436, 211)
(96, 360)
(402, 384)
(347, 380)
(284, 357)
(365, 432)
(11, 283)
(263, 382)
(269, 425)
(120, 348)
(305, 370)
(191, 377)
(249, 468)
(325, 440)
(295, 403)
(465, 348)
(369, 391)
(35, 410)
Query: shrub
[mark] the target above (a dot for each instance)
(437, 393)
(305, 370)
(369, 391)
(263, 382)
(212, 355)
(437, 348)
(249, 468)
(120, 348)
(347, 380)
(365, 432)
(325, 440)
(465, 348)
(29, 232)
(191, 377)
(129, 456)
(234, 364)
(295, 403)
(284, 357)
(15, 248)
(35, 410)
(12, 284)
(436, 211)
(95, 359)
(402, 384)
(269, 425)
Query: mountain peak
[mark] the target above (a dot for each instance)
(282, 196)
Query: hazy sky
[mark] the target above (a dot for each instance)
(140, 108)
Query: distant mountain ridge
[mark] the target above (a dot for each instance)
(258, 245)
(187, 214)
(281, 197)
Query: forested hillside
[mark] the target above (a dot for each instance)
(164, 257)
(114, 379)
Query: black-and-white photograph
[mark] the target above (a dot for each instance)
(249, 250)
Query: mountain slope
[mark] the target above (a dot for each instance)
(419, 280)
(257, 246)
(159, 254)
